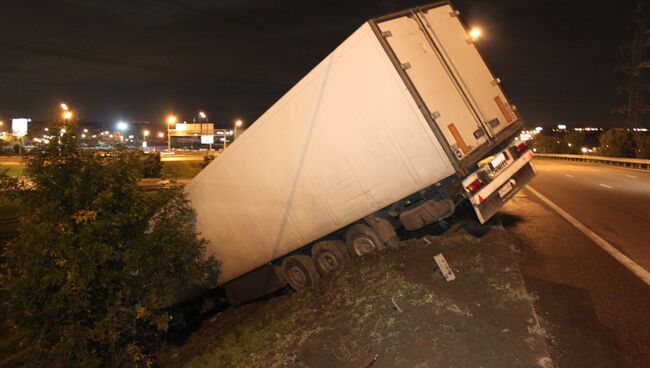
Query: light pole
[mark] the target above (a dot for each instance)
(237, 124)
(145, 134)
(122, 126)
(171, 119)
(66, 113)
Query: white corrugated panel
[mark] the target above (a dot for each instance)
(434, 83)
(451, 37)
(346, 141)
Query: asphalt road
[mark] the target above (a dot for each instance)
(182, 156)
(614, 203)
(595, 311)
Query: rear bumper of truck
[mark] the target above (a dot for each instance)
(496, 193)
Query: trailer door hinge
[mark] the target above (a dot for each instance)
(454, 14)
(496, 81)
(435, 114)
(406, 66)
(386, 34)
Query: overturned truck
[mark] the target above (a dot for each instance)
(394, 129)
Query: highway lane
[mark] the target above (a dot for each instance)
(614, 203)
(595, 311)
(183, 156)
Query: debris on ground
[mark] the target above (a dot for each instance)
(443, 267)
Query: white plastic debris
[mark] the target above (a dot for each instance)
(444, 268)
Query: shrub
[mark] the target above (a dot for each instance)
(617, 143)
(642, 141)
(95, 262)
(151, 165)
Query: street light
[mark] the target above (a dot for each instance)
(122, 126)
(238, 124)
(202, 115)
(67, 115)
(161, 135)
(475, 33)
(64, 107)
(145, 134)
(171, 119)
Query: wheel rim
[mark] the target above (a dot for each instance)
(328, 262)
(297, 277)
(363, 245)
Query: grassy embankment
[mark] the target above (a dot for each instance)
(173, 169)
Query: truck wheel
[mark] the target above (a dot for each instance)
(300, 272)
(361, 240)
(328, 257)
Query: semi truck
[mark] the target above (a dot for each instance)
(398, 126)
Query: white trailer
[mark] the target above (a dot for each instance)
(394, 128)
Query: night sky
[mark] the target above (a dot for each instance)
(142, 59)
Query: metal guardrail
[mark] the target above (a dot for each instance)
(633, 163)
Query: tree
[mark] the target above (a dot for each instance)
(642, 141)
(151, 164)
(617, 143)
(547, 144)
(96, 261)
(573, 142)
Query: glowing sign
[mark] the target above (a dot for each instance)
(207, 139)
(19, 127)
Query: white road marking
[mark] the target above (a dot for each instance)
(568, 175)
(632, 176)
(639, 271)
(606, 186)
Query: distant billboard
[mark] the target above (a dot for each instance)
(188, 130)
(207, 139)
(19, 127)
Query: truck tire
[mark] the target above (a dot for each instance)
(361, 240)
(340, 245)
(328, 257)
(300, 272)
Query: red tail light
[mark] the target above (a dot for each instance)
(475, 186)
(522, 147)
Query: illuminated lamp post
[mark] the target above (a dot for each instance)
(237, 124)
(171, 119)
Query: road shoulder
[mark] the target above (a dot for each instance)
(596, 310)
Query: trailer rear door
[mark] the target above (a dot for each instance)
(433, 83)
(447, 75)
(460, 54)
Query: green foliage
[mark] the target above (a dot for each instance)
(642, 141)
(151, 165)
(617, 143)
(207, 158)
(95, 262)
(548, 144)
(573, 142)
